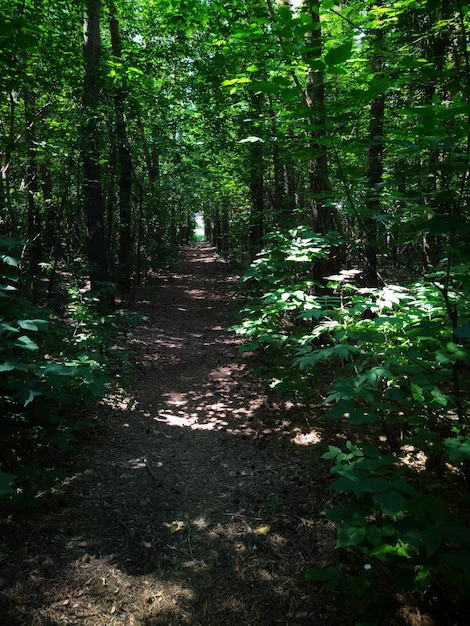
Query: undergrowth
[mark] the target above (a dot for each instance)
(52, 371)
(401, 357)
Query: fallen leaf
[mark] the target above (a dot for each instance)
(175, 527)
(263, 530)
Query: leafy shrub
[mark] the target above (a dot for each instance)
(279, 285)
(40, 382)
(400, 357)
(386, 520)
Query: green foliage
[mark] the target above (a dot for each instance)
(360, 591)
(396, 347)
(387, 520)
(279, 283)
(399, 356)
(45, 373)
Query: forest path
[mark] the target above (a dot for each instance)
(196, 505)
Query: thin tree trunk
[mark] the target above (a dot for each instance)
(256, 178)
(8, 222)
(34, 252)
(277, 198)
(125, 168)
(375, 165)
(92, 190)
(324, 216)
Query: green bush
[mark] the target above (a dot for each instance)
(399, 358)
(279, 286)
(44, 374)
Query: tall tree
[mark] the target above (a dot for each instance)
(375, 160)
(256, 173)
(125, 163)
(324, 215)
(92, 188)
(31, 183)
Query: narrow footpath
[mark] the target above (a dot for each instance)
(197, 501)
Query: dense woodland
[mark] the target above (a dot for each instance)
(325, 146)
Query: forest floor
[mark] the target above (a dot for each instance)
(199, 499)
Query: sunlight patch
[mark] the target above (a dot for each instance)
(307, 439)
(188, 421)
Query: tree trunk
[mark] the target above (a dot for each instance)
(375, 165)
(324, 216)
(34, 252)
(256, 178)
(277, 196)
(8, 222)
(92, 190)
(125, 168)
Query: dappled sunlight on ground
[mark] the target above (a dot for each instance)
(190, 421)
(196, 504)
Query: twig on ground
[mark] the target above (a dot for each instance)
(190, 548)
(257, 519)
(7, 596)
(150, 470)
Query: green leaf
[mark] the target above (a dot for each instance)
(341, 409)
(361, 416)
(8, 366)
(374, 535)
(439, 397)
(370, 451)
(58, 369)
(27, 395)
(458, 449)
(461, 561)
(331, 576)
(9, 260)
(5, 484)
(6, 327)
(34, 325)
(344, 483)
(417, 392)
(432, 539)
(401, 485)
(28, 325)
(26, 343)
(390, 501)
(332, 454)
(251, 139)
(350, 536)
(458, 535)
(338, 55)
(373, 485)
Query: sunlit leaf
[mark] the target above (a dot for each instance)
(251, 139)
(176, 526)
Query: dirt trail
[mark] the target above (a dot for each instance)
(196, 505)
